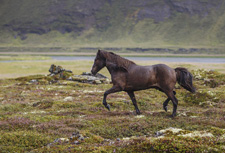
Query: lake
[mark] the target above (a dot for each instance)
(162, 59)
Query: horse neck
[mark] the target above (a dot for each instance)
(117, 60)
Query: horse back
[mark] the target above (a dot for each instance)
(144, 77)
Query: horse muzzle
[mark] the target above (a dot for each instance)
(93, 72)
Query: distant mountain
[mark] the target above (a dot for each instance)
(127, 23)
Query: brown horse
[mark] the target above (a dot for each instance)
(129, 77)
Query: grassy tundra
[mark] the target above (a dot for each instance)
(69, 116)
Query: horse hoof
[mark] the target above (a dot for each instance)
(108, 107)
(165, 108)
(138, 112)
(173, 115)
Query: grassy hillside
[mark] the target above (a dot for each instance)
(76, 23)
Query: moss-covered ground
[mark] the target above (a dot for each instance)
(42, 116)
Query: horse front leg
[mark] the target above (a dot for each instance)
(132, 97)
(165, 104)
(111, 90)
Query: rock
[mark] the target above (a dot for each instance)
(75, 142)
(158, 133)
(179, 132)
(222, 139)
(126, 139)
(81, 138)
(59, 72)
(97, 82)
(76, 136)
(68, 99)
(182, 114)
(207, 103)
(23, 93)
(139, 116)
(197, 134)
(193, 116)
(163, 132)
(98, 75)
(59, 140)
(34, 81)
(76, 139)
(87, 77)
(212, 83)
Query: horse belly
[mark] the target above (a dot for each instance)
(140, 81)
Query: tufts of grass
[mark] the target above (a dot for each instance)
(32, 116)
(22, 141)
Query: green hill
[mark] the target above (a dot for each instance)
(112, 23)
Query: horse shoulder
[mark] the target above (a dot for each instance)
(118, 77)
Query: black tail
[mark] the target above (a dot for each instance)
(184, 78)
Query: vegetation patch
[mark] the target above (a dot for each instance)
(22, 141)
(70, 117)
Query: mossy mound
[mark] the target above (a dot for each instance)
(209, 78)
(34, 79)
(22, 141)
(201, 97)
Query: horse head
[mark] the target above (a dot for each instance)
(99, 63)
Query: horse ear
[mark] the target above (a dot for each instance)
(99, 52)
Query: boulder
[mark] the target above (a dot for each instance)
(58, 73)
(87, 77)
(68, 99)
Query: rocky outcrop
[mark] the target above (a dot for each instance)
(58, 72)
(75, 139)
(87, 77)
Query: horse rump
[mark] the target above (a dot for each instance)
(185, 79)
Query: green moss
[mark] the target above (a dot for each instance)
(32, 110)
(201, 96)
(43, 104)
(13, 108)
(71, 105)
(22, 141)
(34, 77)
(217, 131)
(211, 78)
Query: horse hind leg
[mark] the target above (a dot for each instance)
(166, 102)
(133, 99)
(175, 102)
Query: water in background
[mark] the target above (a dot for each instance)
(163, 59)
(160, 59)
